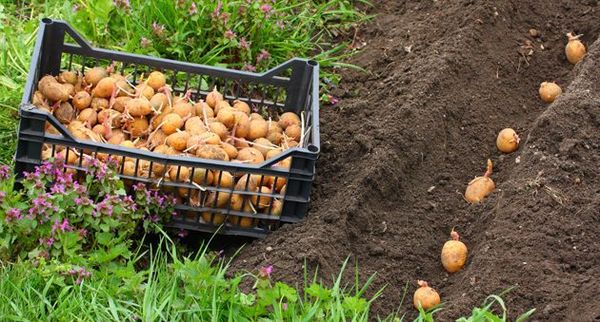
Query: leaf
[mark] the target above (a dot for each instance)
(104, 238)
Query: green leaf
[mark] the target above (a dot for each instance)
(104, 238)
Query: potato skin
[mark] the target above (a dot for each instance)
(478, 189)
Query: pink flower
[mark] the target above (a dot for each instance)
(263, 55)
(50, 241)
(193, 9)
(284, 306)
(244, 44)
(13, 213)
(249, 68)
(4, 172)
(229, 34)
(217, 12)
(158, 29)
(182, 233)
(265, 272)
(145, 42)
(333, 100)
(2, 196)
(123, 4)
(266, 9)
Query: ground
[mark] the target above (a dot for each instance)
(409, 134)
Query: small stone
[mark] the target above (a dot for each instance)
(518, 160)
(534, 32)
(430, 189)
(577, 180)
(269, 249)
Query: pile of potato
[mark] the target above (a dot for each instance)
(102, 106)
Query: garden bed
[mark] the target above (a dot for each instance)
(409, 134)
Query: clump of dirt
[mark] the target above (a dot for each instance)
(397, 152)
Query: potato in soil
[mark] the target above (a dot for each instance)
(454, 254)
(480, 187)
(425, 296)
(507, 141)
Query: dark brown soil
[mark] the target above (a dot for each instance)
(398, 151)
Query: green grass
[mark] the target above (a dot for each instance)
(173, 288)
(291, 28)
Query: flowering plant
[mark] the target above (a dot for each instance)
(86, 219)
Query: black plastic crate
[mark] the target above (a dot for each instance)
(292, 86)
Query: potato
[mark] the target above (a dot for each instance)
(241, 106)
(262, 201)
(209, 138)
(171, 122)
(99, 129)
(258, 129)
(220, 105)
(120, 102)
(137, 127)
(213, 218)
(179, 174)
(232, 152)
(226, 116)
(74, 125)
(128, 168)
(194, 123)
(217, 199)
(145, 91)
(70, 88)
(223, 179)
(240, 144)
(276, 183)
(250, 154)
(276, 208)
(105, 87)
(94, 75)
(248, 182)
(138, 107)
(184, 109)
(213, 152)
(275, 138)
(68, 77)
(53, 90)
(219, 129)
(213, 98)
(99, 103)
(202, 176)
(294, 132)
(156, 80)
(157, 138)
(201, 109)
(263, 145)
(244, 222)
(39, 100)
(112, 115)
(178, 140)
(242, 127)
(65, 113)
(82, 100)
(117, 136)
(88, 117)
(291, 144)
(287, 119)
(273, 153)
(123, 88)
(285, 163)
(159, 102)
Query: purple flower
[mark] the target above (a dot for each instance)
(144, 42)
(13, 213)
(249, 68)
(2, 196)
(139, 187)
(58, 189)
(83, 232)
(229, 34)
(182, 233)
(333, 100)
(284, 306)
(263, 55)
(265, 272)
(64, 226)
(266, 9)
(193, 9)
(4, 172)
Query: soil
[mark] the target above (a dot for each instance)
(443, 78)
